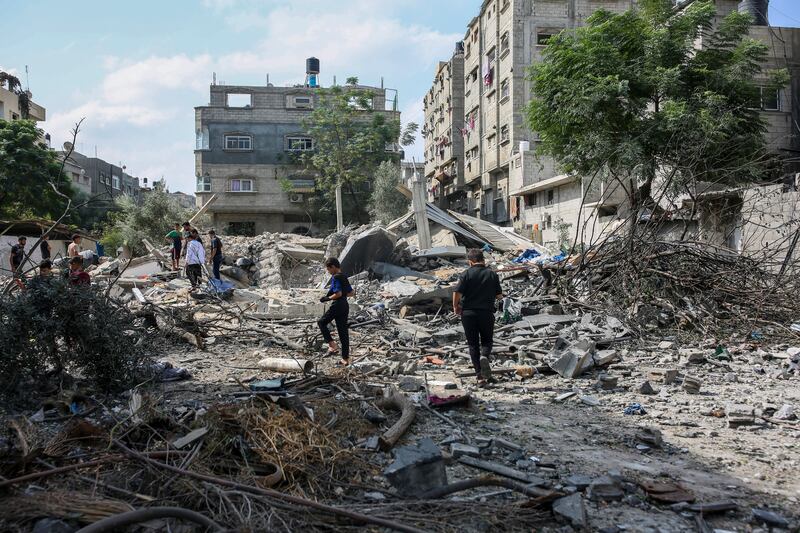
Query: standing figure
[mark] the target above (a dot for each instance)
(16, 259)
(76, 275)
(338, 311)
(216, 253)
(44, 247)
(195, 258)
(475, 299)
(176, 238)
(74, 249)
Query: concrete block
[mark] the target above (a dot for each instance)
(364, 249)
(417, 469)
(571, 509)
(458, 449)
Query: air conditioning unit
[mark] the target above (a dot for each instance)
(296, 198)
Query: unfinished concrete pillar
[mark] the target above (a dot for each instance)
(419, 206)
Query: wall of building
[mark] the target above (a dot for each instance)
(9, 107)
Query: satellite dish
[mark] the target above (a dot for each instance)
(67, 146)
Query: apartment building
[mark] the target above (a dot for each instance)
(443, 133)
(503, 181)
(10, 108)
(248, 138)
(96, 176)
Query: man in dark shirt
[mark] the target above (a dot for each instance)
(338, 311)
(44, 247)
(16, 260)
(216, 253)
(475, 299)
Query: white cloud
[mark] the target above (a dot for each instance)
(142, 111)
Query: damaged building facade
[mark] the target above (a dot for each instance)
(504, 180)
(248, 142)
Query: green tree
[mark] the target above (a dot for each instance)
(350, 141)
(151, 220)
(30, 174)
(387, 203)
(629, 97)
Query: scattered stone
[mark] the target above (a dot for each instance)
(579, 481)
(646, 388)
(417, 468)
(458, 449)
(590, 400)
(51, 525)
(410, 384)
(575, 359)
(378, 496)
(571, 509)
(731, 377)
(692, 384)
(607, 382)
(769, 518)
(665, 345)
(565, 396)
(785, 413)
(739, 415)
(190, 438)
(605, 488)
(650, 436)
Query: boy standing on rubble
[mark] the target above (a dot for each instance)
(216, 253)
(338, 311)
(474, 300)
(176, 237)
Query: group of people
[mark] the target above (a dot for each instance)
(75, 274)
(475, 300)
(187, 243)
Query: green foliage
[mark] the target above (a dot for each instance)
(387, 203)
(29, 171)
(350, 142)
(151, 220)
(54, 327)
(629, 96)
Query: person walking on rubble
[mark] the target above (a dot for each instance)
(339, 310)
(474, 300)
(195, 258)
(176, 238)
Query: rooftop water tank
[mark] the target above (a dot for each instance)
(758, 9)
(312, 65)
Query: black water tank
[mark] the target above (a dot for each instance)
(758, 10)
(312, 65)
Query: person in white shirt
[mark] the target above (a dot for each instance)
(195, 258)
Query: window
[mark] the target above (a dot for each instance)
(115, 182)
(473, 76)
(246, 229)
(531, 199)
(202, 139)
(504, 134)
(542, 38)
(299, 144)
(469, 48)
(551, 196)
(490, 141)
(241, 185)
(768, 99)
(238, 142)
(239, 100)
(303, 102)
(504, 89)
(204, 184)
(504, 43)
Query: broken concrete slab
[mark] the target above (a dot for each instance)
(605, 488)
(388, 271)
(501, 470)
(300, 253)
(692, 384)
(190, 438)
(575, 360)
(458, 449)
(666, 376)
(536, 321)
(786, 412)
(571, 509)
(417, 469)
(739, 414)
(448, 252)
(646, 388)
(362, 250)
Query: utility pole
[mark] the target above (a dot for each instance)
(339, 214)
(420, 207)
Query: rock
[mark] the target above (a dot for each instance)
(457, 449)
(554, 309)
(590, 400)
(739, 415)
(575, 360)
(613, 323)
(731, 377)
(571, 509)
(662, 375)
(650, 436)
(785, 413)
(378, 496)
(448, 335)
(665, 345)
(692, 356)
(579, 481)
(410, 384)
(417, 468)
(607, 382)
(692, 384)
(769, 518)
(605, 488)
(646, 388)
(51, 525)
(361, 251)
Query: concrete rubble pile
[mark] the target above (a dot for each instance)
(586, 425)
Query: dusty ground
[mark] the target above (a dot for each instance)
(754, 465)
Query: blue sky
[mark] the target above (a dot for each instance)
(136, 70)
